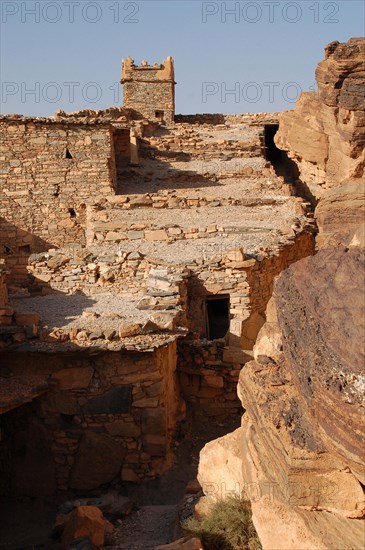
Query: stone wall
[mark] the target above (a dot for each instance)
(217, 118)
(51, 168)
(150, 90)
(3, 287)
(247, 281)
(109, 223)
(249, 284)
(109, 417)
(122, 149)
(92, 270)
(6, 312)
(208, 382)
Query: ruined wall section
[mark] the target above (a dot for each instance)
(109, 417)
(217, 118)
(50, 170)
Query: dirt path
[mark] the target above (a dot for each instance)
(157, 521)
(147, 528)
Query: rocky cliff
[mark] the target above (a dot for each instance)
(324, 134)
(299, 456)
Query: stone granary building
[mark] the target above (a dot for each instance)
(139, 251)
(150, 90)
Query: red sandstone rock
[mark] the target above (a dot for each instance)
(339, 213)
(299, 453)
(84, 521)
(324, 133)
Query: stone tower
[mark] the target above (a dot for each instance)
(150, 89)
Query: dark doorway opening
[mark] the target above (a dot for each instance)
(273, 154)
(159, 115)
(282, 164)
(217, 316)
(68, 154)
(122, 155)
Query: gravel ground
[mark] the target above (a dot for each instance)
(266, 217)
(64, 310)
(186, 251)
(260, 228)
(235, 188)
(147, 528)
(238, 132)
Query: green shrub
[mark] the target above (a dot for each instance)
(228, 526)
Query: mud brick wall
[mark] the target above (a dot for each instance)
(43, 190)
(108, 418)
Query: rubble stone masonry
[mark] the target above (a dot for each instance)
(121, 408)
(150, 90)
(49, 169)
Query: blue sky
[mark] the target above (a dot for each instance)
(67, 54)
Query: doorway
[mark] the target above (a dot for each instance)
(216, 316)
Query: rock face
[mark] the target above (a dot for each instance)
(324, 135)
(339, 213)
(299, 456)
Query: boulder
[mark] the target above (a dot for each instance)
(84, 521)
(57, 261)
